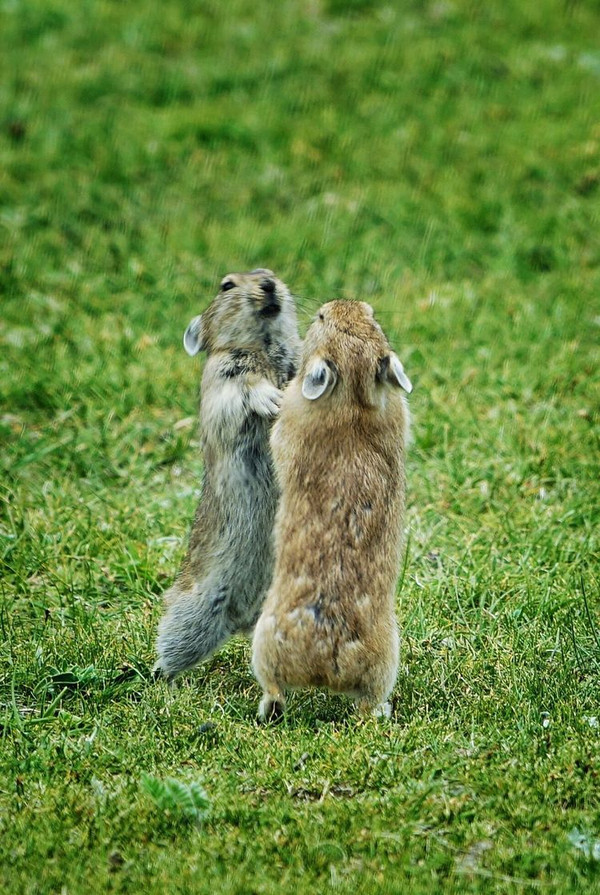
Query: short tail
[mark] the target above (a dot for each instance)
(191, 629)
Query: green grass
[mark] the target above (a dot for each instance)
(440, 160)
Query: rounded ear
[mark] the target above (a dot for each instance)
(319, 380)
(390, 369)
(193, 340)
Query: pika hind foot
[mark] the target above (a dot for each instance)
(383, 710)
(374, 709)
(271, 708)
(158, 673)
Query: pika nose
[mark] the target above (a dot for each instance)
(268, 286)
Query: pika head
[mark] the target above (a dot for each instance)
(252, 310)
(347, 353)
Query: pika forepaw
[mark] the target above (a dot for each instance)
(271, 709)
(265, 399)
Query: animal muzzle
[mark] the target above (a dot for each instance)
(272, 305)
(270, 309)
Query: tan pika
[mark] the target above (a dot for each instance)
(249, 333)
(339, 452)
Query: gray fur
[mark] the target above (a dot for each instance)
(228, 565)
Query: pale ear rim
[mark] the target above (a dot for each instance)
(319, 379)
(390, 369)
(401, 377)
(192, 341)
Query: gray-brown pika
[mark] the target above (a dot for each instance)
(339, 451)
(250, 335)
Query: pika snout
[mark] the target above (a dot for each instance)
(272, 304)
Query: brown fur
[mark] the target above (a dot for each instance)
(328, 619)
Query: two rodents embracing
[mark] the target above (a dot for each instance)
(298, 531)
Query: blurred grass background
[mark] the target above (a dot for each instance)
(440, 160)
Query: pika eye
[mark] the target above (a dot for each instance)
(227, 285)
(321, 316)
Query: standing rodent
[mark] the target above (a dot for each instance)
(338, 447)
(250, 335)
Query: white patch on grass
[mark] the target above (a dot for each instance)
(585, 843)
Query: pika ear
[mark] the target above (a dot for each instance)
(193, 338)
(390, 369)
(320, 378)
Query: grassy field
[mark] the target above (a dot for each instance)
(440, 160)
